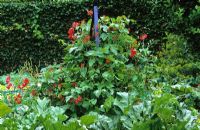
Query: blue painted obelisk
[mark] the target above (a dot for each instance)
(96, 19)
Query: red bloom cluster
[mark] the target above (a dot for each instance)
(75, 24)
(71, 31)
(143, 37)
(76, 101)
(8, 79)
(133, 52)
(24, 84)
(86, 39)
(9, 84)
(18, 99)
(90, 13)
(79, 99)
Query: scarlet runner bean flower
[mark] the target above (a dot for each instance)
(133, 52)
(86, 39)
(25, 82)
(18, 98)
(19, 86)
(75, 24)
(9, 85)
(71, 31)
(143, 37)
(8, 79)
(79, 99)
(90, 13)
(71, 34)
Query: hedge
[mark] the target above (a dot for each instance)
(30, 31)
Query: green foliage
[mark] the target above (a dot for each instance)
(190, 21)
(105, 87)
(30, 31)
(176, 60)
(155, 17)
(88, 119)
(29, 28)
(4, 109)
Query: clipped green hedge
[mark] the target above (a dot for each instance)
(31, 31)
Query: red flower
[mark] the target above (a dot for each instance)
(19, 87)
(18, 101)
(9, 86)
(74, 84)
(18, 98)
(71, 31)
(23, 85)
(75, 24)
(19, 95)
(26, 81)
(90, 12)
(76, 102)
(8, 79)
(86, 39)
(79, 99)
(143, 37)
(133, 52)
(72, 37)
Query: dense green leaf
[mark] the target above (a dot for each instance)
(88, 119)
(4, 109)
